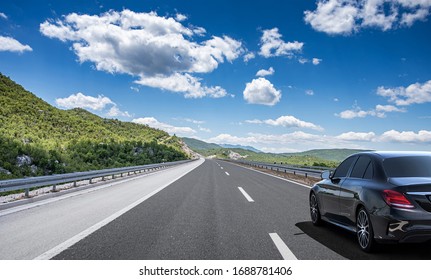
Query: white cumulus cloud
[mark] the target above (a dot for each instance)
(287, 121)
(99, 103)
(193, 121)
(249, 56)
(316, 61)
(333, 16)
(417, 93)
(357, 136)
(403, 96)
(116, 112)
(11, 45)
(409, 18)
(190, 85)
(154, 123)
(422, 136)
(272, 45)
(261, 91)
(348, 16)
(160, 51)
(80, 100)
(356, 113)
(303, 60)
(379, 111)
(389, 108)
(180, 17)
(264, 72)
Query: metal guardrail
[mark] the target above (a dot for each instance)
(312, 171)
(54, 180)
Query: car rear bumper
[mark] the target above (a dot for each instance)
(400, 227)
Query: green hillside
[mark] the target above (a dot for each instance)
(57, 141)
(198, 145)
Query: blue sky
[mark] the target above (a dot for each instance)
(281, 76)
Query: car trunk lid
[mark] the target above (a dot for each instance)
(416, 189)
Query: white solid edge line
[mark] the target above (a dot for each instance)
(227, 174)
(282, 247)
(284, 179)
(247, 196)
(71, 241)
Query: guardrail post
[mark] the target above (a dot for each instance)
(27, 194)
(294, 173)
(54, 188)
(91, 181)
(74, 184)
(113, 176)
(305, 175)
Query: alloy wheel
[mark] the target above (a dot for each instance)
(363, 229)
(314, 209)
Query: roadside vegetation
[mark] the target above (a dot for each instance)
(39, 139)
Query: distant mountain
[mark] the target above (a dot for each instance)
(249, 148)
(329, 154)
(198, 145)
(39, 139)
(318, 157)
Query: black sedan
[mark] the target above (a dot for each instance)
(380, 196)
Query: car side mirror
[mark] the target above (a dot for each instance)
(326, 174)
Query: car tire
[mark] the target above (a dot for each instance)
(364, 231)
(314, 210)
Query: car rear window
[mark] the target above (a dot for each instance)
(408, 166)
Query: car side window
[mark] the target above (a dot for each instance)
(360, 167)
(344, 167)
(369, 172)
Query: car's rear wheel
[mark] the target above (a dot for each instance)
(314, 210)
(364, 230)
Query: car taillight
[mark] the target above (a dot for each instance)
(396, 199)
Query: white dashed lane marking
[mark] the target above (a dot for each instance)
(247, 196)
(282, 247)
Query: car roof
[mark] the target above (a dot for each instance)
(391, 154)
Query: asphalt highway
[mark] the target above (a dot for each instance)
(203, 210)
